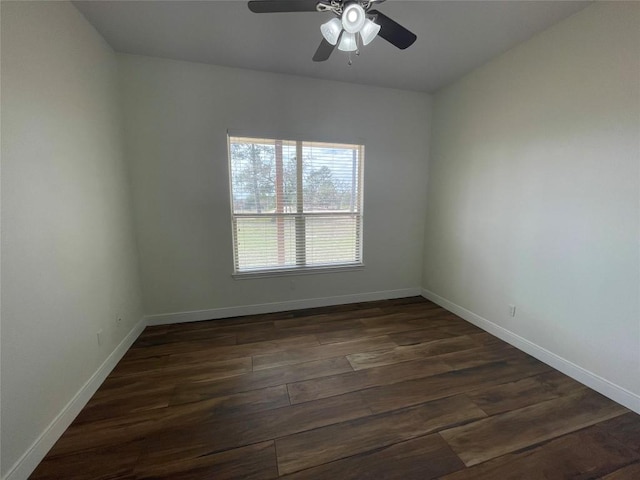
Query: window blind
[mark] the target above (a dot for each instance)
(295, 204)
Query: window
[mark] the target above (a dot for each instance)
(295, 205)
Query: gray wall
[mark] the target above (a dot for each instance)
(69, 262)
(533, 196)
(177, 116)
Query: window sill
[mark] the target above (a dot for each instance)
(297, 271)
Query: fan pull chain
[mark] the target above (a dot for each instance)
(350, 62)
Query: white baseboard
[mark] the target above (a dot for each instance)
(199, 315)
(38, 450)
(590, 379)
(34, 455)
(30, 460)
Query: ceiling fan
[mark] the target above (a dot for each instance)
(355, 22)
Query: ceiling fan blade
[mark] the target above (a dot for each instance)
(281, 6)
(323, 52)
(393, 32)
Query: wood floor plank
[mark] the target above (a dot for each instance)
(328, 386)
(153, 331)
(507, 432)
(179, 370)
(486, 339)
(465, 329)
(512, 395)
(115, 403)
(322, 445)
(193, 392)
(123, 387)
(524, 392)
(583, 454)
(140, 367)
(422, 318)
(184, 417)
(413, 392)
(328, 318)
(273, 347)
(401, 304)
(414, 337)
(442, 326)
(198, 330)
(475, 357)
(297, 331)
(170, 369)
(179, 346)
(413, 352)
(210, 336)
(253, 462)
(241, 403)
(630, 472)
(625, 428)
(225, 433)
(421, 458)
(301, 354)
(395, 323)
(112, 462)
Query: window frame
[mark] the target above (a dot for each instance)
(298, 269)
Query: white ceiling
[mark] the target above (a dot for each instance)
(454, 37)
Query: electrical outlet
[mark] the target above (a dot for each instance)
(118, 320)
(99, 334)
(512, 310)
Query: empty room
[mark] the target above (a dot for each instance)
(320, 239)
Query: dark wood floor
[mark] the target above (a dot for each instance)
(394, 389)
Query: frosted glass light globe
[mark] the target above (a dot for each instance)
(369, 32)
(353, 18)
(348, 42)
(331, 30)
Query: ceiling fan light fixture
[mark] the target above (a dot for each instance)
(369, 31)
(348, 42)
(331, 30)
(353, 18)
